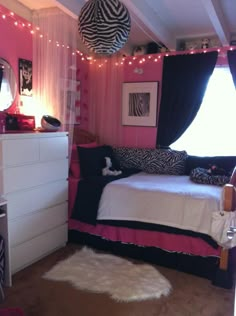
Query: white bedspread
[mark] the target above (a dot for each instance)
(162, 199)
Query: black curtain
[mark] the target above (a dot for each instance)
(184, 82)
(232, 63)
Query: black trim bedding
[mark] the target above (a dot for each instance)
(88, 195)
(89, 192)
(205, 267)
(160, 228)
(86, 205)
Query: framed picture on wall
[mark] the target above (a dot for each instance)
(25, 77)
(139, 103)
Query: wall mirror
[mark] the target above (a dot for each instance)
(8, 85)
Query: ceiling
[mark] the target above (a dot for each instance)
(166, 21)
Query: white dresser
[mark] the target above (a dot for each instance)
(34, 182)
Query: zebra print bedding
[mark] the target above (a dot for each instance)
(151, 160)
(104, 25)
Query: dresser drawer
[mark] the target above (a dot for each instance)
(27, 176)
(36, 248)
(41, 197)
(53, 148)
(32, 225)
(19, 151)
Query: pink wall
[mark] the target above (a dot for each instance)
(16, 42)
(82, 75)
(149, 70)
(140, 69)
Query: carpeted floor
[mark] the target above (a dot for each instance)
(191, 296)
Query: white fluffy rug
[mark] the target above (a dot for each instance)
(104, 273)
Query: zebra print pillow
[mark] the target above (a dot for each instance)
(200, 175)
(165, 161)
(104, 25)
(151, 160)
(131, 157)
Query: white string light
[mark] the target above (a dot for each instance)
(134, 61)
(19, 22)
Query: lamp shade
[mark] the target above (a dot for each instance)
(104, 25)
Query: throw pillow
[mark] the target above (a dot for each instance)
(74, 151)
(92, 160)
(129, 157)
(165, 161)
(202, 176)
(74, 162)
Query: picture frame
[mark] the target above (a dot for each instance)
(25, 77)
(139, 103)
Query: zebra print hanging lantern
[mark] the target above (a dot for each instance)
(104, 25)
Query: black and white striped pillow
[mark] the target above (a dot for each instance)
(131, 157)
(151, 160)
(166, 161)
(104, 25)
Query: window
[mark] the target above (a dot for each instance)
(213, 130)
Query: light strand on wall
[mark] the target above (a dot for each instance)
(19, 22)
(22, 24)
(138, 61)
(128, 61)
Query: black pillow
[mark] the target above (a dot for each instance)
(92, 160)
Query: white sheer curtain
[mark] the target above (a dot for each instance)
(54, 65)
(105, 99)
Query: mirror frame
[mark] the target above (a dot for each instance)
(13, 85)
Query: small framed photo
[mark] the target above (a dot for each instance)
(139, 103)
(25, 77)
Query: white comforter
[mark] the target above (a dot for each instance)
(162, 199)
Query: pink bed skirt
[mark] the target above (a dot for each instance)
(168, 242)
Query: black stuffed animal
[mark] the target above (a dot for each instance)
(216, 171)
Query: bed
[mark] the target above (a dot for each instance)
(184, 248)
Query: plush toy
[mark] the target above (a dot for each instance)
(108, 170)
(205, 43)
(139, 50)
(216, 171)
(191, 45)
